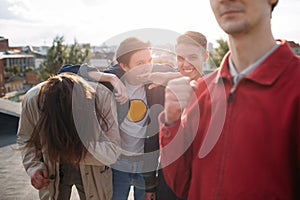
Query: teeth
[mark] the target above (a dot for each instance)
(188, 70)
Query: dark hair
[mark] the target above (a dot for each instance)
(193, 37)
(55, 131)
(273, 6)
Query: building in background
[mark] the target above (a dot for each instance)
(102, 56)
(295, 47)
(15, 62)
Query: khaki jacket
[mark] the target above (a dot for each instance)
(103, 151)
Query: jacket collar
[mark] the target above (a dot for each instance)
(268, 71)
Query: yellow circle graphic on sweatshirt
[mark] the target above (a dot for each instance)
(137, 110)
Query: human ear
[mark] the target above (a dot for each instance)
(124, 67)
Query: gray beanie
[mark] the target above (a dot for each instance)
(131, 44)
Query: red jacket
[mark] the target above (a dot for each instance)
(244, 145)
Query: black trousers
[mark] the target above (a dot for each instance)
(163, 190)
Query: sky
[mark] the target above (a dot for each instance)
(38, 22)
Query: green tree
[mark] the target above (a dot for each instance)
(218, 53)
(79, 53)
(28, 69)
(55, 58)
(14, 70)
(60, 54)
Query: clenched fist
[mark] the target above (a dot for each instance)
(178, 94)
(40, 179)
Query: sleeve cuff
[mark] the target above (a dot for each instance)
(167, 132)
(84, 69)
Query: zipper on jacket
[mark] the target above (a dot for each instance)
(230, 96)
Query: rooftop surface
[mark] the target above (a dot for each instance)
(10, 107)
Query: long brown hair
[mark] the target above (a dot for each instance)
(55, 131)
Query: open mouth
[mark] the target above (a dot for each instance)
(188, 70)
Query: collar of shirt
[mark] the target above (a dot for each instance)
(238, 76)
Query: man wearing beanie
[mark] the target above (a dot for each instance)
(139, 130)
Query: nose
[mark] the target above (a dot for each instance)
(147, 68)
(185, 62)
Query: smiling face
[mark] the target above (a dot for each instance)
(190, 59)
(140, 63)
(242, 16)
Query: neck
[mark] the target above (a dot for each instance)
(248, 47)
(197, 77)
(133, 83)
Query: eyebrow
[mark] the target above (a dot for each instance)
(193, 54)
(141, 60)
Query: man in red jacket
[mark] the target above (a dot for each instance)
(239, 135)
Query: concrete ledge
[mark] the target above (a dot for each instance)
(10, 107)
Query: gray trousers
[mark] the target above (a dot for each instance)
(69, 176)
